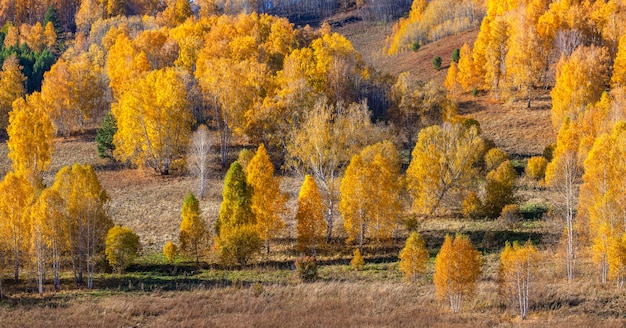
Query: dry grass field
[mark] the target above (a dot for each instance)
(154, 294)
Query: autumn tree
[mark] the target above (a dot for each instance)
(518, 267)
(525, 58)
(326, 141)
(467, 76)
(86, 218)
(601, 196)
(580, 81)
(268, 202)
(442, 165)
(370, 193)
(417, 104)
(413, 257)
(153, 121)
(499, 189)
(563, 174)
(30, 137)
(16, 195)
(457, 268)
(310, 223)
(199, 157)
(236, 236)
(194, 235)
(49, 235)
(618, 78)
(11, 87)
(122, 247)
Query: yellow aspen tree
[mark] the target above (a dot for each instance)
(56, 93)
(49, 234)
(617, 260)
(30, 137)
(370, 193)
(122, 247)
(11, 87)
(328, 137)
(50, 36)
(518, 269)
(580, 81)
(467, 76)
(358, 262)
(87, 220)
(525, 59)
(457, 268)
(194, 235)
(125, 65)
(413, 257)
(417, 104)
(451, 83)
(442, 162)
(16, 195)
(601, 195)
(495, 55)
(618, 78)
(310, 225)
(153, 121)
(268, 202)
(563, 174)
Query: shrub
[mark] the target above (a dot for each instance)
(437, 62)
(533, 211)
(456, 55)
(472, 206)
(357, 262)
(510, 213)
(494, 157)
(170, 251)
(548, 152)
(122, 247)
(306, 267)
(415, 46)
(474, 91)
(536, 167)
(499, 189)
(411, 224)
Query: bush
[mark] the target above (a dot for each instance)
(494, 158)
(536, 167)
(472, 206)
(357, 262)
(411, 224)
(510, 214)
(548, 152)
(533, 211)
(170, 251)
(306, 267)
(474, 91)
(437, 63)
(122, 247)
(456, 55)
(499, 189)
(415, 46)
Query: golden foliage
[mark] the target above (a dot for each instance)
(443, 162)
(536, 167)
(357, 263)
(122, 247)
(268, 202)
(310, 223)
(413, 257)
(457, 268)
(194, 234)
(518, 266)
(170, 250)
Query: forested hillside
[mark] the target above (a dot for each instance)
(461, 159)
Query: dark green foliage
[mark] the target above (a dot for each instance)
(548, 152)
(307, 268)
(236, 207)
(34, 64)
(104, 136)
(474, 91)
(415, 46)
(53, 16)
(456, 55)
(437, 63)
